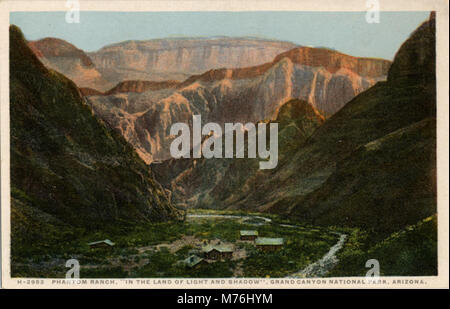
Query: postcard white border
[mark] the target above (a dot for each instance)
(441, 8)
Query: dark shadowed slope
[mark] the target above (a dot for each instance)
(384, 146)
(67, 167)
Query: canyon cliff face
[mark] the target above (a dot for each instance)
(67, 59)
(217, 183)
(177, 59)
(324, 78)
(141, 86)
(159, 60)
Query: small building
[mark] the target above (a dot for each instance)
(193, 261)
(218, 252)
(195, 251)
(269, 244)
(248, 235)
(106, 243)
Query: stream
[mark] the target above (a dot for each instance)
(321, 267)
(264, 219)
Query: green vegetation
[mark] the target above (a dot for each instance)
(300, 249)
(136, 253)
(411, 251)
(165, 264)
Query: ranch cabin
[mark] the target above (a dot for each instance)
(193, 261)
(218, 252)
(248, 235)
(106, 243)
(269, 244)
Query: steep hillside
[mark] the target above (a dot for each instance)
(410, 251)
(326, 79)
(68, 169)
(385, 177)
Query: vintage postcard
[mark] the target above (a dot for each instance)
(224, 144)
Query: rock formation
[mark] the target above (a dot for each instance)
(326, 79)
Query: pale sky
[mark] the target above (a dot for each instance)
(347, 32)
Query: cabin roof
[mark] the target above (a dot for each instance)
(248, 233)
(220, 248)
(192, 260)
(106, 241)
(266, 241)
